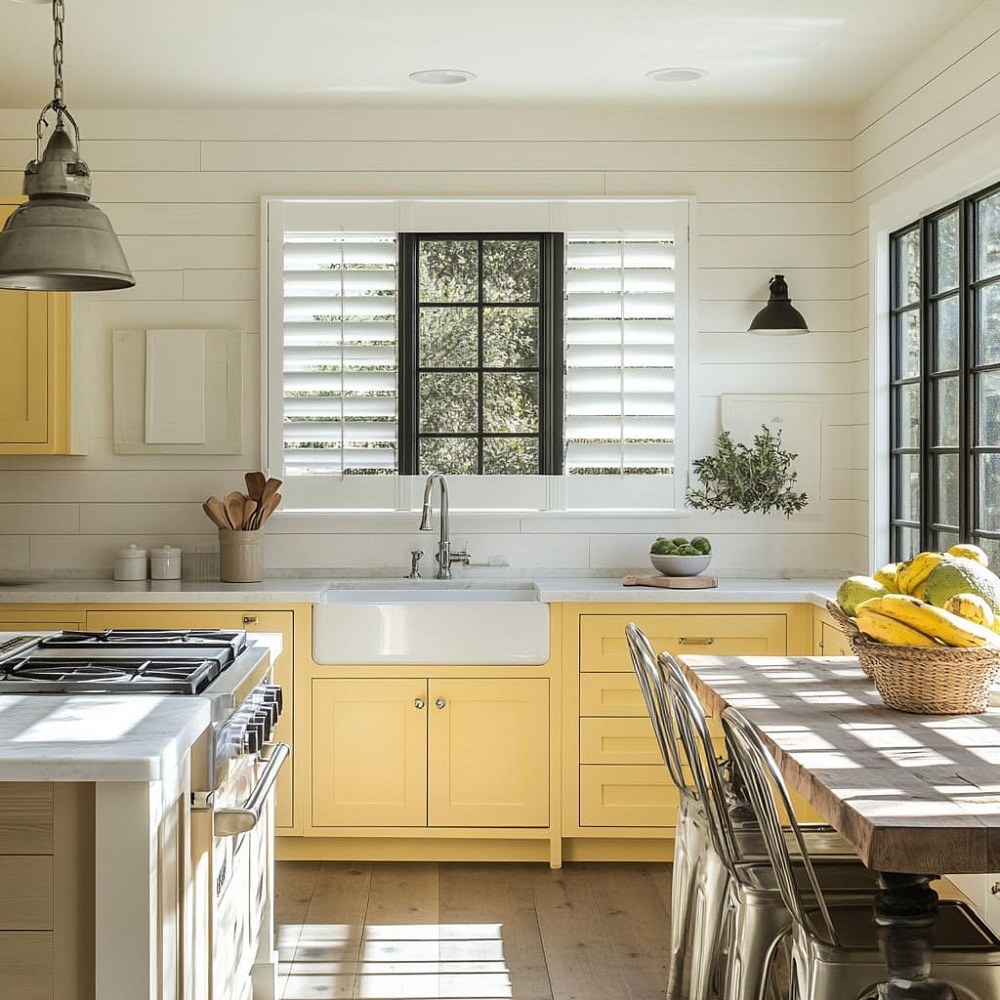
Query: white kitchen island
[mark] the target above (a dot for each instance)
(116, 774)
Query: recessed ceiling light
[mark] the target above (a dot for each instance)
(675, 74)
(442, 77)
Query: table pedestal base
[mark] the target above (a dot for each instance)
(906, 913)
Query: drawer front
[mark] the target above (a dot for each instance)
(26, 893)
(618, 741)
(25, 817)
(603, 646)
(611, 695)
(26, 959)
(627, 795)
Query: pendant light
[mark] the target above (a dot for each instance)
(779, 317)
(58, 241)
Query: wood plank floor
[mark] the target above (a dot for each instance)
(456, 931)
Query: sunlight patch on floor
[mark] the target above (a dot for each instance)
(393, 962)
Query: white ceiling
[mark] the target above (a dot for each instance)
(319, 53)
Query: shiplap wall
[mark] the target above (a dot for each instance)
(773, 193)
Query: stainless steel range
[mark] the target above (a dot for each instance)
(234, 767)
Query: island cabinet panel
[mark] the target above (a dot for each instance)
(25, 892)
(253, 621)
(26, 959)
(26, 817)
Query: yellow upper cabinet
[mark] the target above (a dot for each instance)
(34, 376)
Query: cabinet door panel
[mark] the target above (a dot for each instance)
(252, 621)
(833, 642)
(369, 752)
(24, 373)
(618, 741)
(603, 646)
(488, 750)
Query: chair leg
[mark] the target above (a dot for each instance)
(688, 848)
(710, 903)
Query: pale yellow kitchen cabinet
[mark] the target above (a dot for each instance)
(35, 374)
(618, 799)
(828, 637)
(429, 752)
(253, 621)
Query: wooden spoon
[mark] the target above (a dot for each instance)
(270, 490)
(267, 509)
(249, 509)
(255, 485)
(234, 509)
(216, 510)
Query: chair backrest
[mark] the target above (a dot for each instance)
(768, 796)
(654, 693)
(696, 741)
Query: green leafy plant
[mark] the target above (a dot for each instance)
(754, 479)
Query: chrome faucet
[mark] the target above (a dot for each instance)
(445, 557)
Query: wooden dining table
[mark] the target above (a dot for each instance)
(915, 795)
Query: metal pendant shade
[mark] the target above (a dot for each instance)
(779, 317)
(58, 241)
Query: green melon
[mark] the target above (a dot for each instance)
(958, 575)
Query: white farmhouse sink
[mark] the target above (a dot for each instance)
(430, 622)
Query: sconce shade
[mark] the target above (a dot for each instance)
(779, 317)
(58, 241)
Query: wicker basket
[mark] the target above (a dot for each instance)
(943, 680)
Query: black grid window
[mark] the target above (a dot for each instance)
(481, 353)
(944, 389)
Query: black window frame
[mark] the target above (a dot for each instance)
(550, 347)
(929, 531)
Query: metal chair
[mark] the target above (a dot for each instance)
(836, 953)
(739, 913)
(691, 843)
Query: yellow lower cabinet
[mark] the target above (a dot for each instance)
(488, 752)
(627, 795)
(829, 640)
(459, 752)
(252, 621)
(369, 752)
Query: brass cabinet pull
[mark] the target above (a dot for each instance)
(687, 640)
(440, 703)
(250, 619)
(995, 888)
(418, 702)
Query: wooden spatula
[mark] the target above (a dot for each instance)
(266, 509)
(255, 485)
(249, 509)
(216, 511)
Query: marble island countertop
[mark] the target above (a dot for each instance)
(304, 590)
(97, 737)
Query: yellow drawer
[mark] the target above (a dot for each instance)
(611, 694)
(627, 795)
(618, 741)
(603, 646)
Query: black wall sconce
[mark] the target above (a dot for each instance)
(779, 317)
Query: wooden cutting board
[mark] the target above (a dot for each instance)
(672, 582)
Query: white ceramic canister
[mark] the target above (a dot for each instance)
(130, 563)
(165, 563)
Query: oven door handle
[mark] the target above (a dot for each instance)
(231, 822)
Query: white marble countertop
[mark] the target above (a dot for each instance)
(302, 590)
(97, 737)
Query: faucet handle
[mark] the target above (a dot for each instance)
(415, 556)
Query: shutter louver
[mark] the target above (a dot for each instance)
(620, 364)
(340, 354)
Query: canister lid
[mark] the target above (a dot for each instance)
(131, 552)
(165, 551)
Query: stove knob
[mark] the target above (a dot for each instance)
(253, 738)
(272, 695)
(263, 719)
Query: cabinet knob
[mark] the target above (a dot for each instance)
(995, 888)
(440, 703)
(418, 702)
(249, 619)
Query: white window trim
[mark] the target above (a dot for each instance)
(402, 494)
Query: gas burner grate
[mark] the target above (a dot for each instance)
(123, 675)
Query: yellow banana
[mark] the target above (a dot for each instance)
(971, 607)
(887, 577)
(890, 630)
(935, 622)
(911, 574)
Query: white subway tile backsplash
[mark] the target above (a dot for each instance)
(39, 518)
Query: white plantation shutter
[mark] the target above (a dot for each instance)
(339, 353)
(619, 355)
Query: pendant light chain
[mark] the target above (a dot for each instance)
(58, 16)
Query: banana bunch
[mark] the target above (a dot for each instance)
(905, 620)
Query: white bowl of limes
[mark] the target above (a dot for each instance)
(680, 556)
